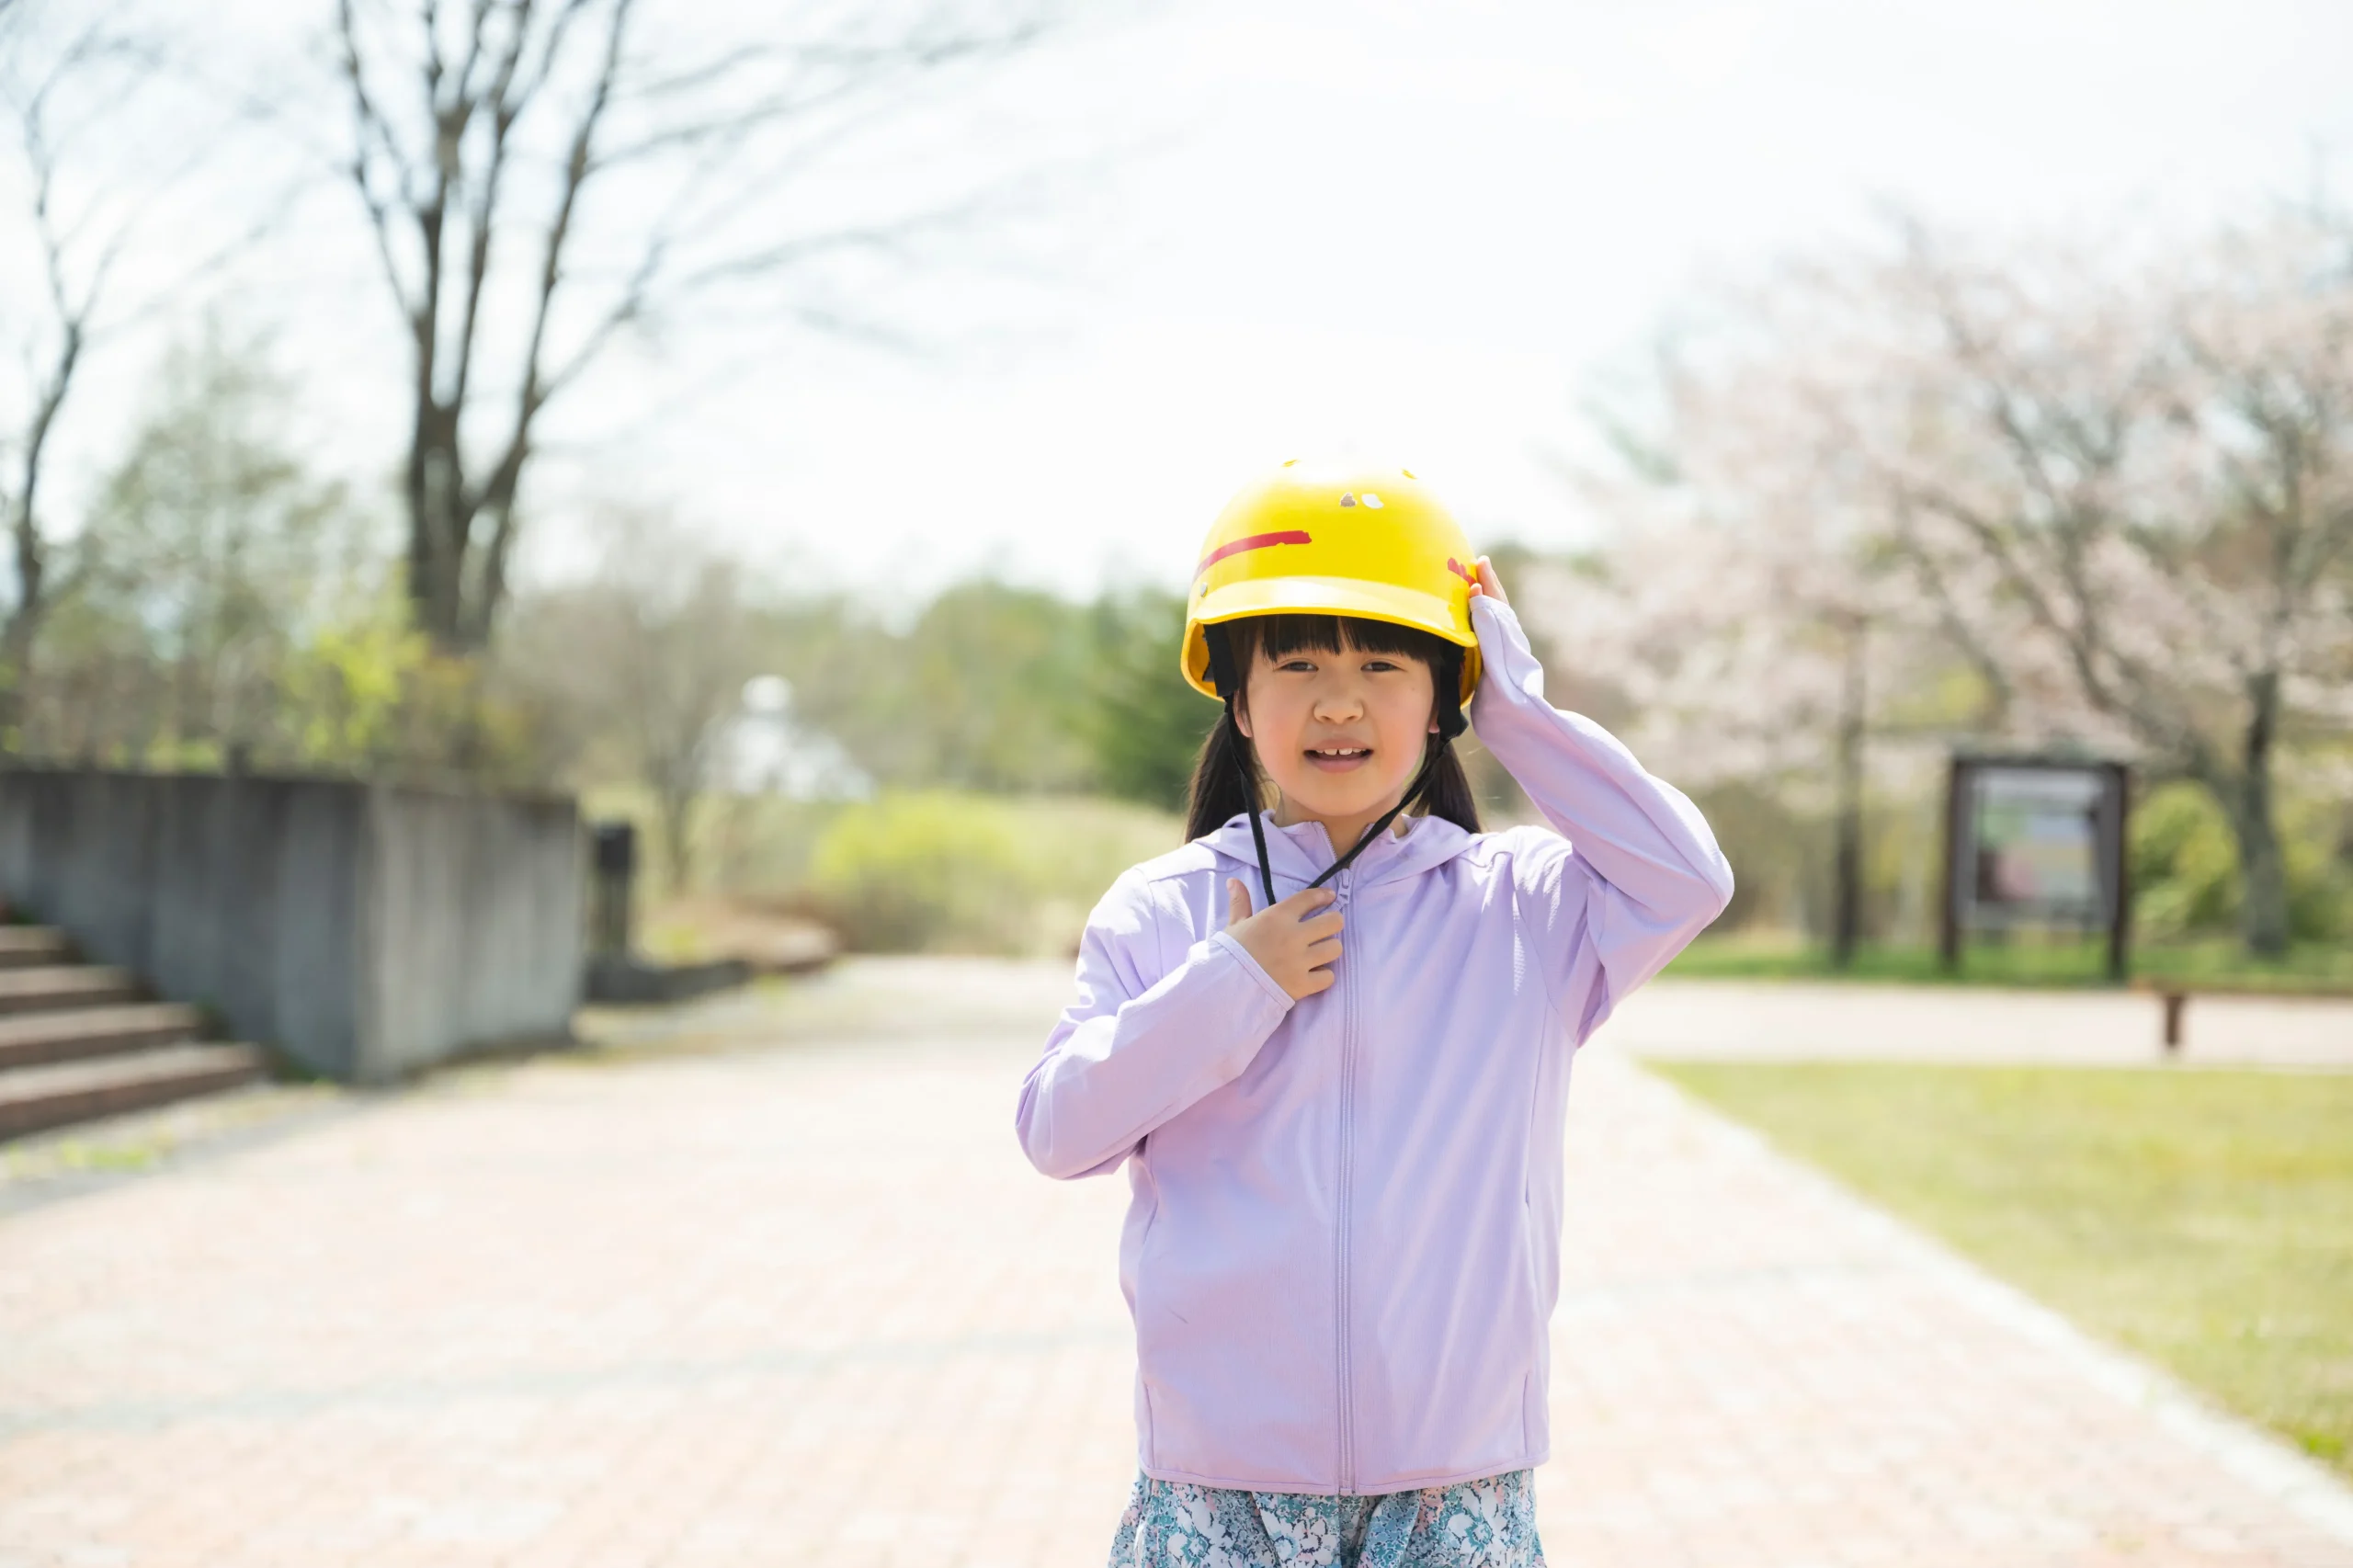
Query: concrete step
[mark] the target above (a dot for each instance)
(29, 1040)
(46, 988)
(25, 945)
(34, 1099)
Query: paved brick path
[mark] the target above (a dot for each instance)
(804, 1304)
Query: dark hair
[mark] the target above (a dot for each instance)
(1216, 794)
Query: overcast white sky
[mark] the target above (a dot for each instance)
(1415, 230)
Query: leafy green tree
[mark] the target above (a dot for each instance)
(988, 689)
(210, 555)
(999, 679)
(1146, 723)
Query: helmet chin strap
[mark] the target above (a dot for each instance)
(1229, 686)
(1414, 791)
(1243, 771)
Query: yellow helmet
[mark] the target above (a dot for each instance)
(1334, 539)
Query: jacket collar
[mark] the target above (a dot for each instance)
(1299, 853)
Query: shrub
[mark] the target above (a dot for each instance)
(925, 871)
(939, 872)
(2185, 864)
(2186, 867)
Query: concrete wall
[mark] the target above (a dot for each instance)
(476, 923)
(365, 931)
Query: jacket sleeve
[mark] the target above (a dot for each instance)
(1138, 1046)
(1640, 873)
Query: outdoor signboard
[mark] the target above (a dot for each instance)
(2035, 842)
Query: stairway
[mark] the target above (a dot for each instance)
(77, 1041)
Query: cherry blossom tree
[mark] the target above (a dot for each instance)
(2115, 492)
(2153, 487)
(1747, 626)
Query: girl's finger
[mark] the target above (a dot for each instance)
(1489, 582)
(1323, 926)
(1238, 901)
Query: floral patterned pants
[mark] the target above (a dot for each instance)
(1477, 1523)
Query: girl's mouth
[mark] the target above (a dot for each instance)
(1339, 759)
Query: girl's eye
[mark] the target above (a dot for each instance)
(1296, 664)
(1379, 665)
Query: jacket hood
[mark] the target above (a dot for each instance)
(1299, 853)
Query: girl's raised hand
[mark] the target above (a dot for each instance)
(1488, 582)
(1291, 940)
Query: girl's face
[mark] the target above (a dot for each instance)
(1341, 734)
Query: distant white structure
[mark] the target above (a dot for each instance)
(761, 749)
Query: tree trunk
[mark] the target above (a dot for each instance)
(1847, 919)
(23, 626)
(15, 679)
(438, 528)
(2263, 871)
(677, 809)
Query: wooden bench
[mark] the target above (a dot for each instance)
(2173, 996)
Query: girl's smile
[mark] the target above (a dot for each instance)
(1338, 759)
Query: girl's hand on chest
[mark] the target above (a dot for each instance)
(1294, 941)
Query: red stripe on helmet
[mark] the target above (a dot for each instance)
(1459, 570)
(1252, 541)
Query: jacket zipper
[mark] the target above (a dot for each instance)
(1348, 1173)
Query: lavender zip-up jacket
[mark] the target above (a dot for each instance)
(1343, 1248)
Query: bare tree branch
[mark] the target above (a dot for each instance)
(505, 478)
(516, 114)
(92, 74)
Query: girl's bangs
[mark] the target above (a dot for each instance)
(1280, 636)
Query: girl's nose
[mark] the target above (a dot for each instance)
(1338, 705)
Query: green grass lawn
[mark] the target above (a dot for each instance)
(2202, 1218)
(2312, 966)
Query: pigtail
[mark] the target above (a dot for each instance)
(1215, 797)
(1449, 795)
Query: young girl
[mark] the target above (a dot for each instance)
(1331, 1043)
